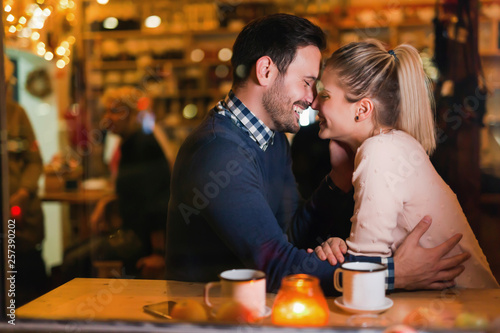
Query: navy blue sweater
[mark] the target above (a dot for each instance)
(234, 205)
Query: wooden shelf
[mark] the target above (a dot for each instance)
(157, 33)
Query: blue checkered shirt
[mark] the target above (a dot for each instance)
(242, 117)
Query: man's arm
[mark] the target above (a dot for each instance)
(416, 267)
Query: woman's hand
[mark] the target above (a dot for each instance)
(333, 250)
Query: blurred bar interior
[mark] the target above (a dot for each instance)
(65, 55)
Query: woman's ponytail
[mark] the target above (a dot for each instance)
(416, 100)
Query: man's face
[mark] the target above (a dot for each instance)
(118, 119)
(293, 92)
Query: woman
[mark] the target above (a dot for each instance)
(379, 104)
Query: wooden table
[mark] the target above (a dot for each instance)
(123, 300)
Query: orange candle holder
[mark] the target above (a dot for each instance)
(300, 302)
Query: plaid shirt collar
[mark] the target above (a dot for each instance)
(246, 120)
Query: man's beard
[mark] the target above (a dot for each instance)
(280, 108)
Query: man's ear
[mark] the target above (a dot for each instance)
(265, 70)
(365, 109)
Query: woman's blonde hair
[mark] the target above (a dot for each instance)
(395, 82)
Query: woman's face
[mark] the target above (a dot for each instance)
(335, 113)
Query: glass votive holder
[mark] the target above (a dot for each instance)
(300, 302)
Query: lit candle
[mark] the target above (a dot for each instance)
(300, 302)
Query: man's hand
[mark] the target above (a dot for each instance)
(342, 161)
(416, 267)
(333, 250)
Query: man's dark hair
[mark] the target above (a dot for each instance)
(277, 36)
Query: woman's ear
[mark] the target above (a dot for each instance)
(364, 109)
(265, 70)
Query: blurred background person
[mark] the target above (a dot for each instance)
(131, 226)
(25, 168)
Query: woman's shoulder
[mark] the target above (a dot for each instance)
(393, 141)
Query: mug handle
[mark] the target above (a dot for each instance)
(336, 283)
(207, 291)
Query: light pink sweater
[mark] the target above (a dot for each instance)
(395, 186)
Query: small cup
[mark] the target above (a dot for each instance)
(246, 286)
(363, 284)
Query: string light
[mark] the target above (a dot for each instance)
(102, 2)
(49, 56)
(31, 20)
(60, 51)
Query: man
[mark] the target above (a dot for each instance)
(142, 185)
(234, 201)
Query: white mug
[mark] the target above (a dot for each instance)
(363, 284)
(246, 286)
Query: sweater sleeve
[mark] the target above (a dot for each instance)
(378, 199)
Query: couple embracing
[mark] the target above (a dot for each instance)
(375, 106)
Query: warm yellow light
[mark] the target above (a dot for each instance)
(49, 56)
(70, 17)
(47, 12)
(40, 52)
(12, 29)
(25, 33)
(7, 8)
(152, 21)
(67, 53)
(19, 27)
(102, 2)
(190, 111)
(71, 39)
(60, 63)
(197, 55)
(40, 2)
(71, 4)
(225, 54)
(10, 18)
(60, 51)
(40, 45)
(63, 4)
(65, 59)
(22, 20)
(65, 44)
(35, 36)
(300, 302)
(110, 23)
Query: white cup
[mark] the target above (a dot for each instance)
(363, 284)
(246, 286)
